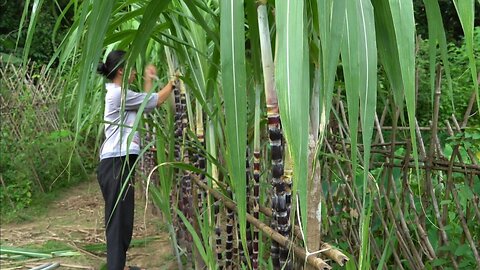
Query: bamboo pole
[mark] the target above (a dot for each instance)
(281, 240)
(402, 232)
(387, 174)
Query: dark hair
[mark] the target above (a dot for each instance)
(115, 60)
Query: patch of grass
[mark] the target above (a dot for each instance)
(49, 246)
(39, 206)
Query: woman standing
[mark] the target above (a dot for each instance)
(120, 150)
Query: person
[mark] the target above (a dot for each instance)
(120, 150)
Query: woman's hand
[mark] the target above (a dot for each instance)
(150, 72)
(174, 77)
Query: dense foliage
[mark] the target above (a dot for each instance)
(462, 85)
(453, 27)
(37, 153)
(48, 34)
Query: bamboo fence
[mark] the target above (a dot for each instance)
(29, 104)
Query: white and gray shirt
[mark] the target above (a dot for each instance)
(118, 125)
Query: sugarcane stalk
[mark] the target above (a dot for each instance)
(274, 128)
(278, 196)
(200, 159)
(269, 232)
(229, 235)
(330, 251)
(148, 163)
(256, 176)
(218, 233)
(178, 132)
(186, 179)
(284, 199)
(241, 250)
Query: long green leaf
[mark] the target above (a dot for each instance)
(201, 21)
(232, 55)
(196, 239)
(145, 29)
(254, 38)
(97, 25)
(331, 20)
(404, 28)
(291, 80)
(388, 49)
(22, 21)
(359, 55)
(36, 8)
(466, 11)
(436, 34)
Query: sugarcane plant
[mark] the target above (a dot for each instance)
(225, 50)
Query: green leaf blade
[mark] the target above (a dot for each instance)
(291, 80)
(232, 55)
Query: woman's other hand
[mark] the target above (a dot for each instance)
(150, 72)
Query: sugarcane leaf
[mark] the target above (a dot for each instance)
(232, 56)
(196, 239)
(436, 34)
(466, 10)
(147, 25)
(124, 18)
(388, 49)
(387, 252)
(291, 81)
(36, 8)
(350, 64)
(201, 21)
(331, 21)
(404, 28)
(25, 252)
(359, 55)
(97, 25)
(59, 20)
(253, 36)
(22, 21)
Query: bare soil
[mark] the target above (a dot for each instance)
(75, 220)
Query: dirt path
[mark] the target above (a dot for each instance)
(75, 221)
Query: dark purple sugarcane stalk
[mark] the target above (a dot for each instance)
(256, 206)
(218, 233)
(186, 179)
(283, 211)
(229, 241)
(276, 154)
(241, 249)
(200, 159)
(175, 195)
